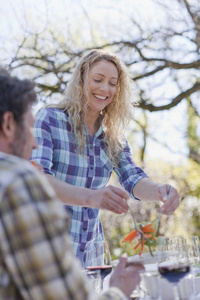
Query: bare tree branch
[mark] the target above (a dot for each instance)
(174, 102)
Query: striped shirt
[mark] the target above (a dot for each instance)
(36, 258)
(57, 153)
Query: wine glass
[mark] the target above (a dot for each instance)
(193, 250)
(97, 257)
(173, 263)
(194, 257)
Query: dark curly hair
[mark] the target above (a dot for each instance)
(15, 95)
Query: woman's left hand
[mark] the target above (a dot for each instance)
(170, 197)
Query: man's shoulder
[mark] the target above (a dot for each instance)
(15, 170)
(11, 167)
(11, 160)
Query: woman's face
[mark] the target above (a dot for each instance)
(102, 85)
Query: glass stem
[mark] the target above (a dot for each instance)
(101, 284)
(176, 292)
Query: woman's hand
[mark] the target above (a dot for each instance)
(148, 190)
(170, 197)
(111, 198)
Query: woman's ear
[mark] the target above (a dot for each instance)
(8, 125)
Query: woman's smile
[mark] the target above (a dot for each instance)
(101, 85)
(99, 97)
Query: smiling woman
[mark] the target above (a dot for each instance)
(101, 88)
(81, 141)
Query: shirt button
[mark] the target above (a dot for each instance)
(84, 229)
(91, 168)
(81, 250)
(91, 147)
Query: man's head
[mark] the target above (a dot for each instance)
(16, 118)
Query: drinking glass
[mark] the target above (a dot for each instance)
(193, 250)
(97, 257)
(94, 279)
(173, 263)
(149, 286)
(194, 257)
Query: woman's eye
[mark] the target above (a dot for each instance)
(97, 80)
(113, 84)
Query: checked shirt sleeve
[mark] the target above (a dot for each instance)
(35, 246)
(127, 171)
(42, 131)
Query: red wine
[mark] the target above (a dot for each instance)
(174, 273)
(104, 270)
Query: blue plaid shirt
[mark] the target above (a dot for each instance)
(57, 153)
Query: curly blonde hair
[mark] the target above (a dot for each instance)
(115, 116)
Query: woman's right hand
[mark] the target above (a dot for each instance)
(111, 198)
(126, 277)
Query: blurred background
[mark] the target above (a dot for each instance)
(160, 43)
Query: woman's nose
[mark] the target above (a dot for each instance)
(104, 86)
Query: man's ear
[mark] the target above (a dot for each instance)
(8, 125)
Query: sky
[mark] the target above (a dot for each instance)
(63, 13)
(60, 10)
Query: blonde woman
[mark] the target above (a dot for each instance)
(81, 141)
